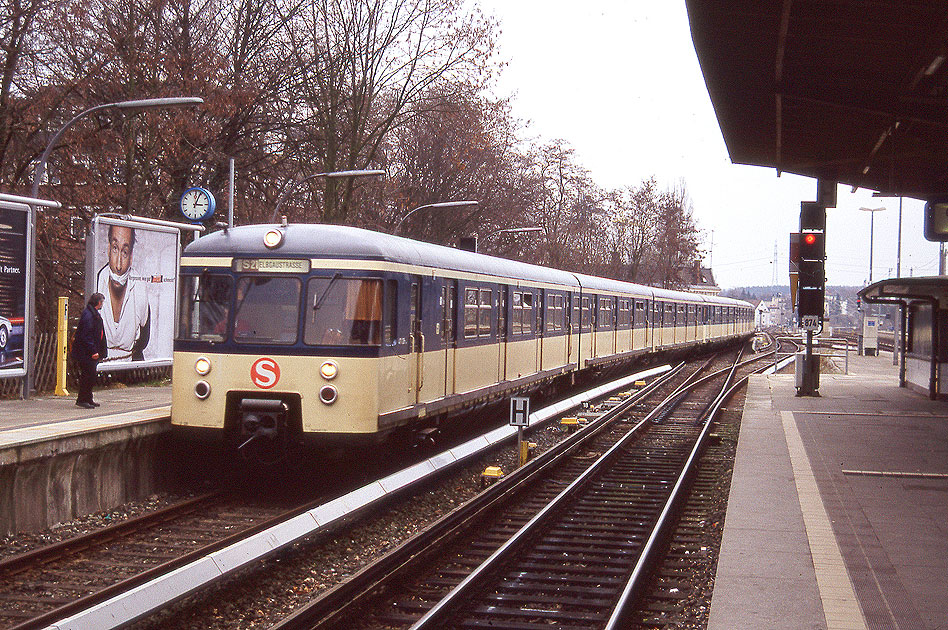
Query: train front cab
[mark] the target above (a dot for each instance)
(269, 358)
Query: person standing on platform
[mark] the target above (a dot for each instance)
(88, 348)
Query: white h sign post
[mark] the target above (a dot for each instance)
(520, 418)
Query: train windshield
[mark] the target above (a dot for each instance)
(266, 310)
(343, 311)
(205, 305)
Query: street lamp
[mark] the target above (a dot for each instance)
(293, 184)
(40, 171)
(148, 103)
(430, 206)
(872, 216)
(519, 230)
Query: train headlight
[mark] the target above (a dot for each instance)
(273, 238)
(202, 389)
(202, 366)
(329, 370)
(328, 394)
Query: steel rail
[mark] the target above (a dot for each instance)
(636, 581)
(42, 555)
(646, 558)
(50, 617)
(439, 611)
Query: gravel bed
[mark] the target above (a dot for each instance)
(23, 542)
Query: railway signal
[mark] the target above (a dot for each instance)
(812, 286)
(811, 266)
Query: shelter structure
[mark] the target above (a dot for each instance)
(921, 301)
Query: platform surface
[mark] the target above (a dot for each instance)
(838, 511)
(50, 410)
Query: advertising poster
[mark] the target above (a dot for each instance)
(13, 274)
(134, 265)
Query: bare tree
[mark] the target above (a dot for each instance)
(366, 68)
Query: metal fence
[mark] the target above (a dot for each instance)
(44, 372)
(828, 347)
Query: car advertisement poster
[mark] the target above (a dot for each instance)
(14, 218)
(134, 265)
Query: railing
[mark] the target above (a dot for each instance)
(820, 344)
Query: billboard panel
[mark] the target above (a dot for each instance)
(135, 266)
(14, 327)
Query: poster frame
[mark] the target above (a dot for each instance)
(90, 280)
(22, 371)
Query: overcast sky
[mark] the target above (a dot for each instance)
(619, 80)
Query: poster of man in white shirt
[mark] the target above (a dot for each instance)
(135, 268)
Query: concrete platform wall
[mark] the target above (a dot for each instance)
(49, 479)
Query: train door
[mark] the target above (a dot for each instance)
(431, 305)
(658, 326)
(449, 301)
(540, 324)
(502, 332)
(572, 328)
(588, 325)
(614, 316)
(417, 338)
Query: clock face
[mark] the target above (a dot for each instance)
(197, 204)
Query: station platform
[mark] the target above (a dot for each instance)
(59, 461)
(838, 509)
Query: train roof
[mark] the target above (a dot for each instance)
(306, 240)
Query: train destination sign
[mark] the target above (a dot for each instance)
(271, 265)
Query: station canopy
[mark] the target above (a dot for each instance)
(842, 90)
(906, 289)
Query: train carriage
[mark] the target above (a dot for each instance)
(321, 333)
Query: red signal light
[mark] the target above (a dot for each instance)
(809, 238)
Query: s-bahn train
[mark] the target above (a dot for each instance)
(300, 333)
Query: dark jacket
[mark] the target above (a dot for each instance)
(90, 336)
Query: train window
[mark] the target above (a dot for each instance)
(266, 310)
(555, 312)
(204, 306)
(483, 320)
(605, 313)
(470, 312)
(345, 311)
(586, 313)
(477, 307)
(522, 313)
(574, 317)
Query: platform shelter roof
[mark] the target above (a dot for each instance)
(847, 91)
(906, 289)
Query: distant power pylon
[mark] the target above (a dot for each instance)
(774, 281)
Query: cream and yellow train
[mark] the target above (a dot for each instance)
(300, 333)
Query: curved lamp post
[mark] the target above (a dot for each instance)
(519, 230)
(148, 103)
(293, 184)
(39, 171)
(431, 206)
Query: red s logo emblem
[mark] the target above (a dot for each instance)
(265, 373)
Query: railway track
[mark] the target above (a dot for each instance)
(46, 584)
(579, 532)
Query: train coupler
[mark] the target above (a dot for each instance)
(261, 419)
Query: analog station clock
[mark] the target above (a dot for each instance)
(197, 204)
